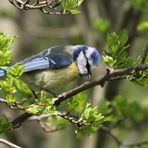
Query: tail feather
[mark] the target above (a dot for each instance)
(3, 72)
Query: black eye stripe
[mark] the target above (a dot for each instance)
(87, 64)
(88, 67)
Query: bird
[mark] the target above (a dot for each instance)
(58, 65)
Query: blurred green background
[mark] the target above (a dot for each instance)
(36, 31)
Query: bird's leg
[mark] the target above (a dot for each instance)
(34, 94)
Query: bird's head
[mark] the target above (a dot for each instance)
(87, 58)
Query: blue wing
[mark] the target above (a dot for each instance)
(3, 72)
(52, 58)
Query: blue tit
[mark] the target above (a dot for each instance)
(58, 65)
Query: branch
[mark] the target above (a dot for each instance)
(14, 106)
(109, 76)
(71, 119)
(3, 101)
(43, 125)
(40, 5)
(9, 143)
(37, 118)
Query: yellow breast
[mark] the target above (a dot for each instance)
(53, 78)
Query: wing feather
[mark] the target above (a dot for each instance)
(3, 72)
(48, 59)
(53, 58)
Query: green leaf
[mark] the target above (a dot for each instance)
(109, 60)
(35, 109)
(5, 50)
(104, 107)
(16, 71)
(77, 103)
(68, 5)
(61, 123)
(7, 85)
(130, 111)
(140, 77)
(116, 41)
(143, 26)
(42, 106)
(73, 11)
(92, 118)
(46, 100)
(141, 5)
(5, 124)
(101, 25)
(10, 99)
(116, 55)
(22, 87)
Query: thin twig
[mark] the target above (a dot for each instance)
(66, 116)
(43, 125)
(35, 118)
(14, 106)
(46, 128)
(8, 143)
(40, 5)
(3, 101)
(71, 119)
(108, 131)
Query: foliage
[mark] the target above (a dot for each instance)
(101, 25)
(70, 5)
(143, 26)
(92, 119)
(42, 105)
(5, 50)
(85, 119)
(61, 123)
(130, 112)
(116, 55)
(140, 78)
(77, 103)
(142, 5)
(52, 7)
(5, 124)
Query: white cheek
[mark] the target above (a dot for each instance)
(81, 63)
(92, 66)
